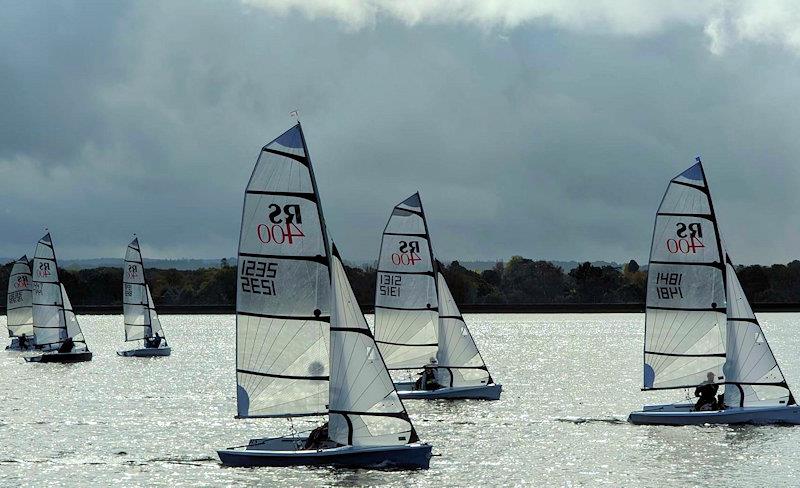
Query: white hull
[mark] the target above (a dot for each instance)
(682, 414)
(288, 451)
(146, 352)
(482, 392)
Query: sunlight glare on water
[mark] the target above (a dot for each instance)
(569, 381)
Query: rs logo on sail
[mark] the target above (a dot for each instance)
(408, 253)
(22, 282)
(44, 270)
(284, 225)
(687, 238)
(133, 271)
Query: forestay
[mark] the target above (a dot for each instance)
(141, 320)
(19, 309)
(53, 318)
(459, 361)
(752, 374)
(364, 407)
(283, 287)
(406, 304)
(685, 326)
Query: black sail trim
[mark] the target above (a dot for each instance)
(421, 273)
(321, 318)
(680, 214)
(357, 330)
(432, 309)
(283, 376)
(688, 309)
(690, 185)
(317, 259)
(712, 264)
(306, 195)
(406, 234)
(404, 344)
(456, 317)
(300, 159)
(714, 355)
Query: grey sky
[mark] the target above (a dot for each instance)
(548, 132)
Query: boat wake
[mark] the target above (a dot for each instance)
(611, 419)
(186, 461)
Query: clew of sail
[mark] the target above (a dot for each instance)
(406, 303)
(19, 308)
(460, 363)
(364, 407)
(685, 326)
(752, 375)
(283, 287)
(53, 318)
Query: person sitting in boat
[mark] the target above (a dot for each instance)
(706, 393)
(23, 342)
(66, 346)
(427, 379)
(153, 342)
(317, 437)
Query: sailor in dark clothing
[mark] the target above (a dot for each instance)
(66, 346)
(317, 437)
(153, 342)
(23, 342)
(707, 394)
(427, 379)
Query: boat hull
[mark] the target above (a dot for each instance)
(287, 451)
(146, 352)
(483, 392)
(14, 346)
(64, 357)
(683, 415)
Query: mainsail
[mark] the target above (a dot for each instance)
(698, 319)
(53, 318)
(458, 359)
(364, 407)
(19, 309)
(141, 320)
(283, 287)
(406, 303)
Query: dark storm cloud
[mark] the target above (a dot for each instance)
(546, 142)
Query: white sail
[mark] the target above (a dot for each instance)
(686, 315)
(283, 287)
(364, 407)
(53, 318)
(19, 308)
(141, 320)
(752, 374)
(406, 304)
(459, 362)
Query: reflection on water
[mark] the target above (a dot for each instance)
(569, 382)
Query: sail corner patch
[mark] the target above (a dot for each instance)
(649, 376)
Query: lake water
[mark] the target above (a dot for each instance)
(569, 381)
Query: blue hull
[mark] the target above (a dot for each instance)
(484, 392)
(669, 415)
(146, 352)
(408, 456)
(68, 357)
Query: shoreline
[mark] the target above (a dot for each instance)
(466, 308)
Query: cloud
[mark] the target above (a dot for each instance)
(724, 21)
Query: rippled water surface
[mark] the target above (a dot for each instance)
(569, 382)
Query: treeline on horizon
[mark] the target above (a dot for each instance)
(516, 281)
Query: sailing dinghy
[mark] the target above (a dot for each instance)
(699, 326)
(58, 334)
(141, 320)
(417, 322)
(19, 311)
(303, 347)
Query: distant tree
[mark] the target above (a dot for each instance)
(223, 263)
(527, 281)
(631, 267)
